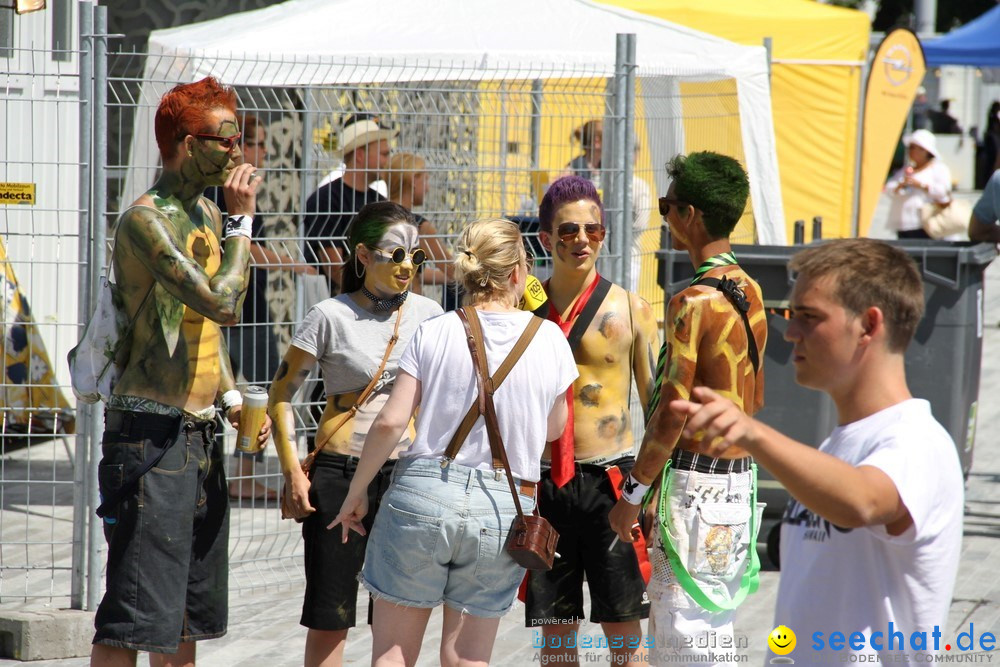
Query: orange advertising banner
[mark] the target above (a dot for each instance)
(896, 71)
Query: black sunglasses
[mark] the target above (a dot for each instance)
(667, 202)
(398, 255)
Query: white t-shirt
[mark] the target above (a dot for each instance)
(860, 580)
(438, 356)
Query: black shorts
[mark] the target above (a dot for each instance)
(332, 567)
(168, 542)
(579, 512)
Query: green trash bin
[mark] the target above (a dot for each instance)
(942, 361)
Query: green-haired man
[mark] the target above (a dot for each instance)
(715, 335)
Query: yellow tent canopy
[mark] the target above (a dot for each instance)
(817, 53)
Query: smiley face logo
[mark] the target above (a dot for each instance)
(781, 640)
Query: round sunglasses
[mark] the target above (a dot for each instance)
(398, 255)
(569, 231)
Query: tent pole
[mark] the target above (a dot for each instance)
(858, 146)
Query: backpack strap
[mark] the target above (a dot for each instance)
(586, 315)
(739, 300)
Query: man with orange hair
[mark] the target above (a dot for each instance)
(161, 478)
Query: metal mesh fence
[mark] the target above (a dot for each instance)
(40, 239)
(468, 144)
(465, 148)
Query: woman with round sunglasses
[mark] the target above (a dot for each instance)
(348, 335)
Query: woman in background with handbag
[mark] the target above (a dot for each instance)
(357, 338)
(924, 180)
(440, 534)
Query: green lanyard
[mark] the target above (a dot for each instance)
(722, 259)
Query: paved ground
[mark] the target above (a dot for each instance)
(264, 628)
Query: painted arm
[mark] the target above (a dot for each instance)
(382, 438)
(646, 346)
(846, 495)
(663, 427)
(292, 372)
(151, 237)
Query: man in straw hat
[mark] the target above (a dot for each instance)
(329, 210)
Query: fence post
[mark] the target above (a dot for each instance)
(84, 413)
(628, 151)
(536, 127)
(613, 180)
(98, 262)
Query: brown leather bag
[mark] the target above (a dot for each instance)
(532, 539)
(287, 511)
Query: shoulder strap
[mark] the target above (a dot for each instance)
(739, 300)
(476, 348)
(344, 417)
(494, 382)
(586, 315)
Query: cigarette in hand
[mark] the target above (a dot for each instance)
(615, 541)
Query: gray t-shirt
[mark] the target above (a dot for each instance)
(349, 343)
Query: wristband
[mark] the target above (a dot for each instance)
(238, 225)
(633, 491)
(230, 400)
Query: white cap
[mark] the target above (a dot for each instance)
(922, 138)
(361, 134)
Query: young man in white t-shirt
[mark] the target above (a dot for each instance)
(871, 539)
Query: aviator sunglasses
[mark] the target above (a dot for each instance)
(226, 143)
(398, 255)
(568, 231)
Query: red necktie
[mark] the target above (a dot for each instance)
(563, 448)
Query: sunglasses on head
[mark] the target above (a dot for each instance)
(225, 143)
(568, 231)
(667, 202)
(398, 255)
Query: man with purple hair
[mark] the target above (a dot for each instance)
(613, 336)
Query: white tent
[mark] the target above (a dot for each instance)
(325, 42)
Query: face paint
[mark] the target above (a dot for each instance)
(212, 161)
(383, 276)
(398, 235)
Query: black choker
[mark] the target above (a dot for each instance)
(380, 305)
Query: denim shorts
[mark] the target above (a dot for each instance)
(168, 541)
(440, 536)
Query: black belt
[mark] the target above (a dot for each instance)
(131, 424)
(346, 463)
(685, 460)
(594, 468)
